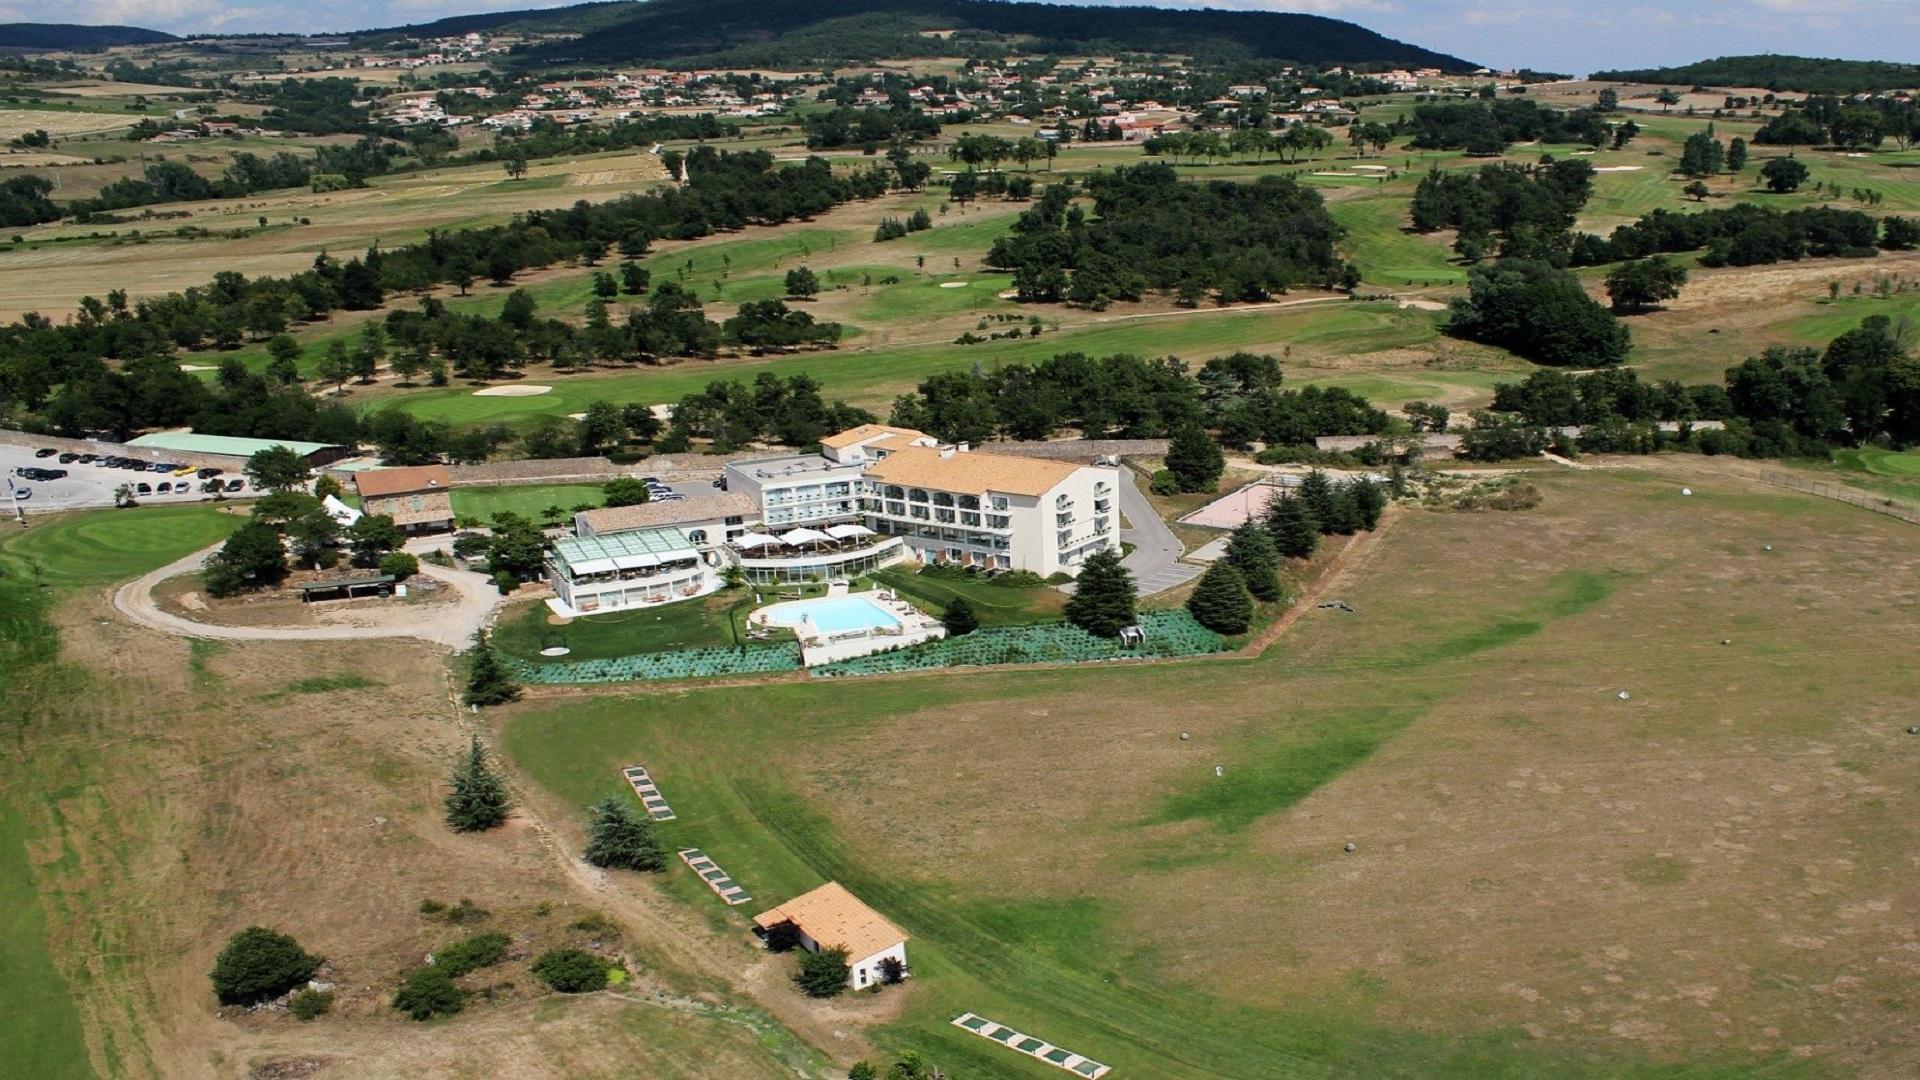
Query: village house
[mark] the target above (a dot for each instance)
(417, 498)
(830, 917)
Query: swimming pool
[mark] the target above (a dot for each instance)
(837, 615)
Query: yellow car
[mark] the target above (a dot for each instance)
(186, 470)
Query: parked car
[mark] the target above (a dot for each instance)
(143, 489)
(208, 473)
(160, 466)
(235, 484)
(89, 459)
(184, 470)
(129, 463)
(720, 482)
(69, 458)
(23, 493)
(45, 451)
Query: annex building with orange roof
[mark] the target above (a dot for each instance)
(830, 917)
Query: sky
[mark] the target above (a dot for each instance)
(1575, 36)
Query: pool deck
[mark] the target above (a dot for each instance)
(822, 647)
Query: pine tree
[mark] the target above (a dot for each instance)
(1370, 499)
(487, 680)
(1343, 514)
(959, 618)
(1250, 550)
(1103, 596)
(1221, 602)
(1194, 459)
(1317, 492)
(478, 800)
(620, 839)
(1293, 526)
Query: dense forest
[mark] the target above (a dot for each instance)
(65, 37)
(1773, 71)
(784, 32)
(1240, 241)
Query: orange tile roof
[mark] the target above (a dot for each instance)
(970, 473)
(867, 431)
(377, 482)
(836, 919)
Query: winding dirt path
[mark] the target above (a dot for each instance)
(452, 626)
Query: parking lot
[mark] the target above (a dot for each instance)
(91, 485)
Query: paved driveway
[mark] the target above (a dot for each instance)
(1155, 563)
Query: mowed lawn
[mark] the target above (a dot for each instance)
(1067, 864)
(44, 1036)
(718, 619)
(527, 500)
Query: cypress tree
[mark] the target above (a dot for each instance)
(1293, 526)
(1221, 602)
(1103, 597)
(487, 680)
(620, 839)
(478, 800)
(1250, 550)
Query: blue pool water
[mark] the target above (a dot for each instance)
(835, 615)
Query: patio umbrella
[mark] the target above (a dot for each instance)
(805, 536)
(848, 532)
(756, 540)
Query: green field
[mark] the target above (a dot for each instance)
(1066, 866)
(874, 377)
(44, 1036)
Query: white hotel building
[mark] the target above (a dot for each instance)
(874, 496)
(945, 503)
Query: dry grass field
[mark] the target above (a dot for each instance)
(1704, 878)
(161, 794)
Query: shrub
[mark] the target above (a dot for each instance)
(822, 974)
(400, 564)
(959, 618)
(892, 970)
(1164, 482)
(571, 971)
(1194, 459)
(310, 1004)
(471, 954)
(429, 992)
(258, 965)
(782, 937)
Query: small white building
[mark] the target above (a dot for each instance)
(830, 917)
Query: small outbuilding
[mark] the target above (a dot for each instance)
(830, 917)
(346, 588)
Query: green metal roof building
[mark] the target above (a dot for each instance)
(234, 446)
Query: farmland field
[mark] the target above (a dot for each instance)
(1548, 879)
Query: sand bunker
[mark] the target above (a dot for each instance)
(1618, 168)
(512, 391)
(953, 284)
(1424, 305)
(197, 367)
